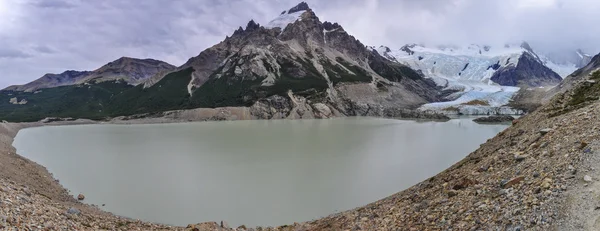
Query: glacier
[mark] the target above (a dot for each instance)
(467, 71)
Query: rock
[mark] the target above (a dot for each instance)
(513, 181)
(495, 119)
(73, 211)
(520, 157)
(80, 197)
(545, 131)
(241, 228)
(572, 169)
(204, 226)
(238, 71)
(587, 178)
(224, 225)
(583, 144)
(452, 193)
(464, 183)
(546, 183)
(322, 110)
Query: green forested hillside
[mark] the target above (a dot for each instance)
(78, 101)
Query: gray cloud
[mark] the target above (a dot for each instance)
(56, 35)
(8, 53)
(43, 49)
(54, 4)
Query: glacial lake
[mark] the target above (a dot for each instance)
(265, 173)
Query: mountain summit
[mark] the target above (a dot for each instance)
(303, 6)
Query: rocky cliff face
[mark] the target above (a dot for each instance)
(529, 72)
(132, 71)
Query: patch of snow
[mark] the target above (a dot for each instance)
(563, 70)
(284, 19)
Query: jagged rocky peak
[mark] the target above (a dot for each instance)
(328, 26)
(407, 48)
(526, 46)
(252, 25)
(386, 49)
(303, 6)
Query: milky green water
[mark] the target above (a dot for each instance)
(264, 173)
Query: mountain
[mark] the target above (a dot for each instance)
(132, 71)
(484, 78)
(297, 58)
(566, 62)
(578, 76)
(507, 66)
(293, 67)
(532, 98)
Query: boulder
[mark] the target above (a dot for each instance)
(513, 181)
(545, 131)
(80, 197)
(73, 211)
(322, 110)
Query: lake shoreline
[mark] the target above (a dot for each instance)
(441, 202)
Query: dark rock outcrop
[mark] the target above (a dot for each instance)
(495, 119)
(331, 26)
(529, 71)
(300, 7)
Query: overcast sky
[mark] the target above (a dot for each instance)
(50, 36)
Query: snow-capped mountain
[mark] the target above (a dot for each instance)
(484, 78)
(565, 63)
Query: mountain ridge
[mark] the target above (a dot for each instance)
(131, 70)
